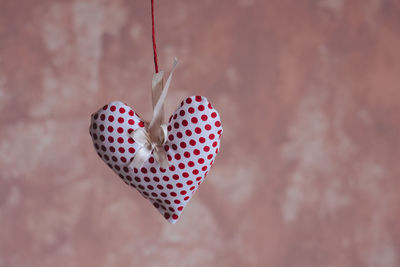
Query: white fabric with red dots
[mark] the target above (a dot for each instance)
(194, 132)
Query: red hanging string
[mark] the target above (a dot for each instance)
(154, 37)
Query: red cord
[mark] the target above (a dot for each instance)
(153, 36)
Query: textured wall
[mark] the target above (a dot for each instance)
(308, 92)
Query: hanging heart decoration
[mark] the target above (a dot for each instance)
(165, 162)
(192, 140)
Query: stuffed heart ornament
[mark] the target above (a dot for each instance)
(191, 145)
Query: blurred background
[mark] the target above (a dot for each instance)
(308, 92)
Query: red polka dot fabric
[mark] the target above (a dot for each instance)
(194, 132)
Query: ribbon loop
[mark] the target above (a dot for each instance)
(152, 138)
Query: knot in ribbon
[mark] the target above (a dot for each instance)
(153, 136)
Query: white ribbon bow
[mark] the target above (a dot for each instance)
(153, 136)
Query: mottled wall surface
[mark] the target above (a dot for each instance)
(309, 95)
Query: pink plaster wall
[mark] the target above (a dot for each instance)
(308, 172)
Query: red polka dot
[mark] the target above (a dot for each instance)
(185, 174)
(177, 156)
(189, 100)
(105, 107)
(102, 117)
(185, 123)
(202, 139)
(207, 127)
(120, 140)
(113, 108)
(143, 170)
(217, 123)
(211, 136)
(111, 118)
(173, 194)
(141, 124)
(110, 139)
(180, 208)
(179, 185)
(197, 130)
(120, 120)
(151, 160)
(121, 110)
(206, 148)
(186, 154)
(179, 135)
(121, 150)
(165, 178)
(120, 130)
(200, 160)
(195, 171)
(169, 186)
(182, 113)
(196, 152)
(194, 120)
(175, 177)
(176, 125)
(172, 168)
(189, 182)
(131, 122)
(131, 141)
(215, 144)
(112, 149)
(204, 117)
(183, 192)
(190, 163)
(174, 216)
(110, 129)
(198, 98)
(191, 110)
(181, 166)
(123, 159)
(130, 113)
(166, 215)
(214, 115)
(192, 142)
(131, 150)
(183, 144)
(188, 132)
(153, 170)
(170, 137)
(201, 107)
(177, 201)
(210, 156)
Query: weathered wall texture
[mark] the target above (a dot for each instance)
(309, 95)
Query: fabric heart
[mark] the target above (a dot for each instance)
(194, 131)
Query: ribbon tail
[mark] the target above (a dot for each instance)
(157, 111)
(161, 157)
(141, 156)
